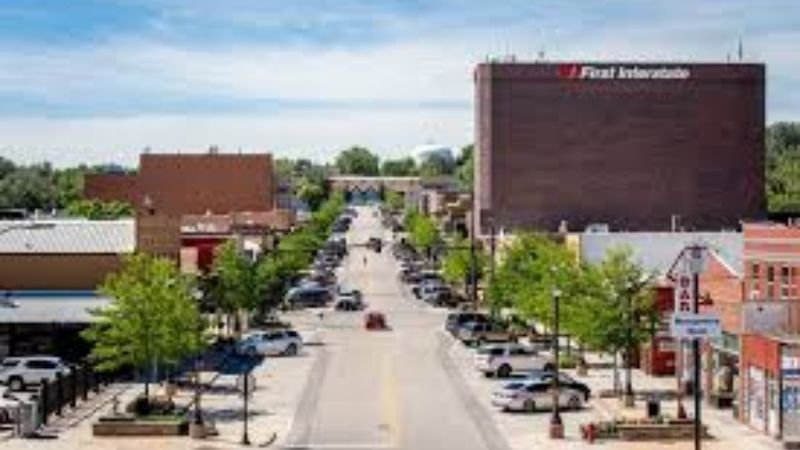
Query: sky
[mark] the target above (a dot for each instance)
(97, 81)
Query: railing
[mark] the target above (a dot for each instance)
(67, 390)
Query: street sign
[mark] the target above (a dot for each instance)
(684, 287)
(695, 326)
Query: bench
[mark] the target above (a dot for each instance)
(659, 431)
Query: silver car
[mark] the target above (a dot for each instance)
(536, 394)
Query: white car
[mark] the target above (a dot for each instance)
(18, 372)
(504, 359)
(270, 343)
(537, 393)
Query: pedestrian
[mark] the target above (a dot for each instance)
(365, 260)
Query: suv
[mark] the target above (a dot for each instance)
(456, 320)
(504, 359)
(276, 342)
(18, 372)
(308, 296)
(482, 332)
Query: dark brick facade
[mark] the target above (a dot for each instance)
(192, 183)
(554, 144)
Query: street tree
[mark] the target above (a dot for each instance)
(152, 319)
(457, 263)
(422, 232)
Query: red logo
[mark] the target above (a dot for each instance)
(569, 71)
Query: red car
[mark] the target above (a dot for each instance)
(375, 320)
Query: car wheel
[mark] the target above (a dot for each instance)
(504, 371)
(529, 406)
(16, 384)
(291, 350)
(574, 402)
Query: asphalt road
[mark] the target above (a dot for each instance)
(391, 389)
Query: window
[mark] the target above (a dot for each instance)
(785, 282)
(40, 364)
(755, 274)
(8, 363)
(770, 282)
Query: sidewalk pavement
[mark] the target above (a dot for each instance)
(278, 386)
(525, 430)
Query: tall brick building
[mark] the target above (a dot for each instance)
(630, 145)
(179, 184)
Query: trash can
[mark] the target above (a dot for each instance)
(26, 419)
(653, 407)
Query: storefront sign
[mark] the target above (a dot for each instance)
(684, 287)
(622, 72)
(695, 326)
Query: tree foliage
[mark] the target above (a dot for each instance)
(465, 167)
(422, 231)
(98, 210)
(783, 167)
(152, 318)
(358, 161)
(402, 167)
(457, 262)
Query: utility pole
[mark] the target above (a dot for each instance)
(629, 400)
(556, 425)
(696, 255)
(473, 275)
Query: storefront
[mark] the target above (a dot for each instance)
(771, 385)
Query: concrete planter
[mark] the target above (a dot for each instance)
(134, 427)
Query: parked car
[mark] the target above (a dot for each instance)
(456, 320)
(482, 332)
(349, 301)
(308, 296)
(504, 359)
(19, 372)
(536, 393)
(275, 342)
(426, 285)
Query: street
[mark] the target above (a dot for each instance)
(386, 389)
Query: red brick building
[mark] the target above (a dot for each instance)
(179, 184)
(631, 145)
(772, 259)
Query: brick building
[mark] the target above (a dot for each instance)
(630, 145)
(179, 184)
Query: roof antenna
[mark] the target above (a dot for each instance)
(740, 49)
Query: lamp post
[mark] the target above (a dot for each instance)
(628, 396)
(556, 425)
(473, 276)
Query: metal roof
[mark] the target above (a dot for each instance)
(73, 236)
(657, 251)
(44, 307)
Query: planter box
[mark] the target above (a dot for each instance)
(655, 431)
(139, 428)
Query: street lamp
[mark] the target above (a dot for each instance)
(556, 425)
(628, 395)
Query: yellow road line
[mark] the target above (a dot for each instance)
(390, 407)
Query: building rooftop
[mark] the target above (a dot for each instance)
(49, 306)
(657, 251)
(72, 236)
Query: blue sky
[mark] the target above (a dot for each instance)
(98, 80)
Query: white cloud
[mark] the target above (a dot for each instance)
(315, 135)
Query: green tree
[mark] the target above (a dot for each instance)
(457, 264)
(358, 161)
(402, 167)
(465, 167)
(312, 193)
(152, 318)
(238, 288)
(435, 166)
(395, 200)
(783, 167)
(618, 313)
(423, 233)
(99, 210)
(29, 188)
